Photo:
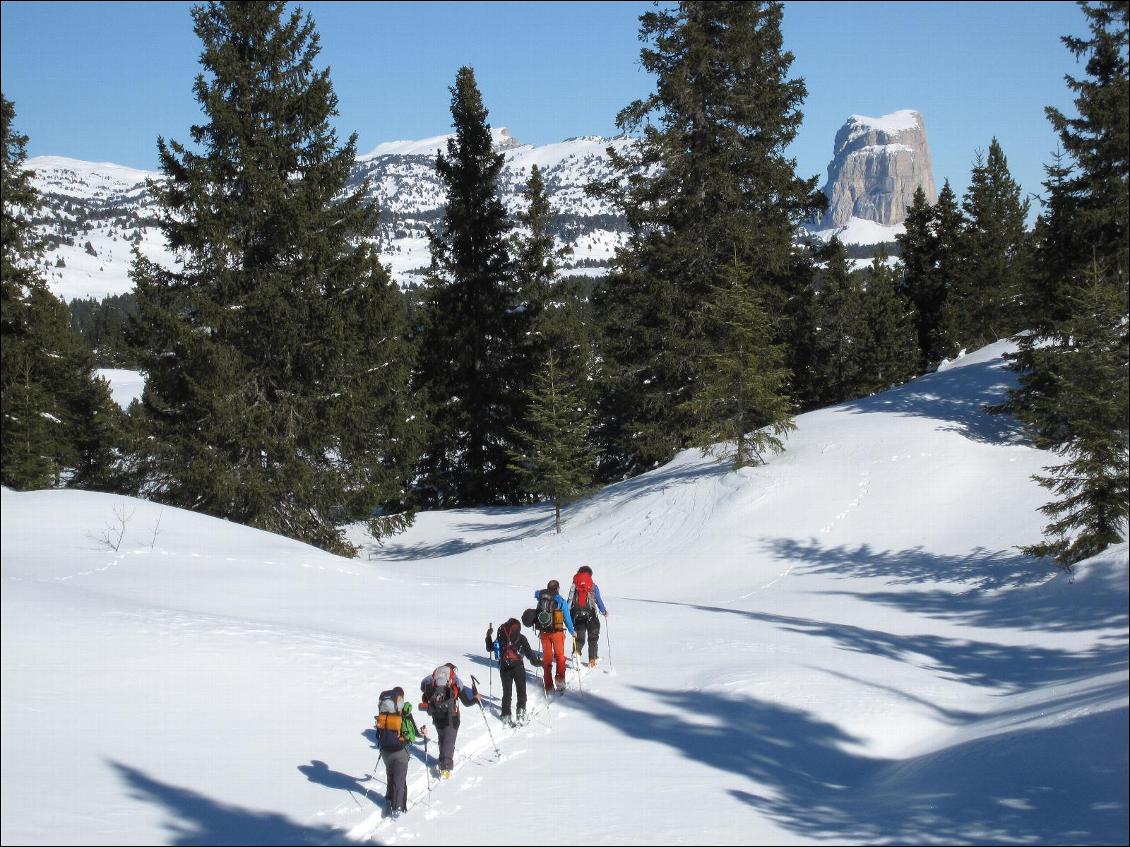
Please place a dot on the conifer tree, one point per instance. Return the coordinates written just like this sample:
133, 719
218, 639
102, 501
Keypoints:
1085, 418
277, 366
838, 330
992, 286
741, 407
58, 417
930, 247
1074, 368
471, 324
552, 454
707, 185
550, 307
888, 353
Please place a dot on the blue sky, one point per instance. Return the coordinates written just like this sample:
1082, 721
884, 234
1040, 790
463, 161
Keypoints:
101, 81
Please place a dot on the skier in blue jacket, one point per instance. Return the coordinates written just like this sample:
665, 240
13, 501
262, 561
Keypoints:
553, 619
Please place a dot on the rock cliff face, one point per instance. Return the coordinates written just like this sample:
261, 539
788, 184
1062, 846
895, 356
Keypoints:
878, 164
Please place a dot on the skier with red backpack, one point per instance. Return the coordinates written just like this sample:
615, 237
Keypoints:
442, 692
508, 648
584, 602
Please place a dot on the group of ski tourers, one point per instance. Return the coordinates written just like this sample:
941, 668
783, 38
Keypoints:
442, 690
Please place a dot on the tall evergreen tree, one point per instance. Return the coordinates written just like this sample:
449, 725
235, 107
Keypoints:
838, 329
741, 408
552, 454
58, 417
1085, 418
930, 247
1074, 368
992, 286
707, 187
888, 353
277, 367
469, 344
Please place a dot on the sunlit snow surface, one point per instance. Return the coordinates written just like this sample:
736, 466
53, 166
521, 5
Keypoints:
840, 646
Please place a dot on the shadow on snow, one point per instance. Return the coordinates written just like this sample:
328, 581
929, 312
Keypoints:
1005, 588
198, 819
988, 790
956, 397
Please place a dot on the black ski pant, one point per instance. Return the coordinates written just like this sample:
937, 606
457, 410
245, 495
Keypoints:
447, 730
396, 778
511, 677
587, 626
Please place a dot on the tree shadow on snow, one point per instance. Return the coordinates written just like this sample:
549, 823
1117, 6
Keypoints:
1004, 588
197, 819
1013, 667
957, 397
529, 521
983, 791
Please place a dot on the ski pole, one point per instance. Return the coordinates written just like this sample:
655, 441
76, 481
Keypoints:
373, 775
483, 712
490, 654
577, 666
608, 638
427, 768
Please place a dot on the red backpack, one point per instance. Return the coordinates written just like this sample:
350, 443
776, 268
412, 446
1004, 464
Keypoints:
582, 582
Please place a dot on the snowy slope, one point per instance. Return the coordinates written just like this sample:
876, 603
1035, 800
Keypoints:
840, 646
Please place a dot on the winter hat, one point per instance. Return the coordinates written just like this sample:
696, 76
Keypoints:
585, 569
553, 586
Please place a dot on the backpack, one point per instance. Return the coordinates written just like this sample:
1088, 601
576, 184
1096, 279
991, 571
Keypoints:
442, 694
582, 585
549, 617
389, 722
509, 651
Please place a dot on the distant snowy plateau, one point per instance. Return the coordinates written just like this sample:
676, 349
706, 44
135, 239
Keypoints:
109, 208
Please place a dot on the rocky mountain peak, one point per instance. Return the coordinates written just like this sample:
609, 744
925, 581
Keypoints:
877, 165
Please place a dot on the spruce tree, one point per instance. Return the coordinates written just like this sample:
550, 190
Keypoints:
277, 367
552, 454
707, 186
838, 329
60, 423
741, 408
930, 247
992, 286
1084, 418
1072, 393
469, 344
888, 353
1098, 141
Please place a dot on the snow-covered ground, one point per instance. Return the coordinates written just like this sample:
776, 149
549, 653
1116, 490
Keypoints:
840, 646
125, 385
861, 231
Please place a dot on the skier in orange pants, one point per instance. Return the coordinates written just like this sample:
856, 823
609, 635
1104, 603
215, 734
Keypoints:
552, 620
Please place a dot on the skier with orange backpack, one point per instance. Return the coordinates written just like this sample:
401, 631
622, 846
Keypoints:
584, 602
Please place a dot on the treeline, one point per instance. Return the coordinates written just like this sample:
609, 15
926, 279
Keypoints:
292, 386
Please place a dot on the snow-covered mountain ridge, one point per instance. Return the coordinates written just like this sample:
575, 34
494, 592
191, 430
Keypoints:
109, 208
839, 646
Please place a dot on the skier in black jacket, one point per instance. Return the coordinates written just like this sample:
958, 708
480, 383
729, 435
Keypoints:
508, 648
